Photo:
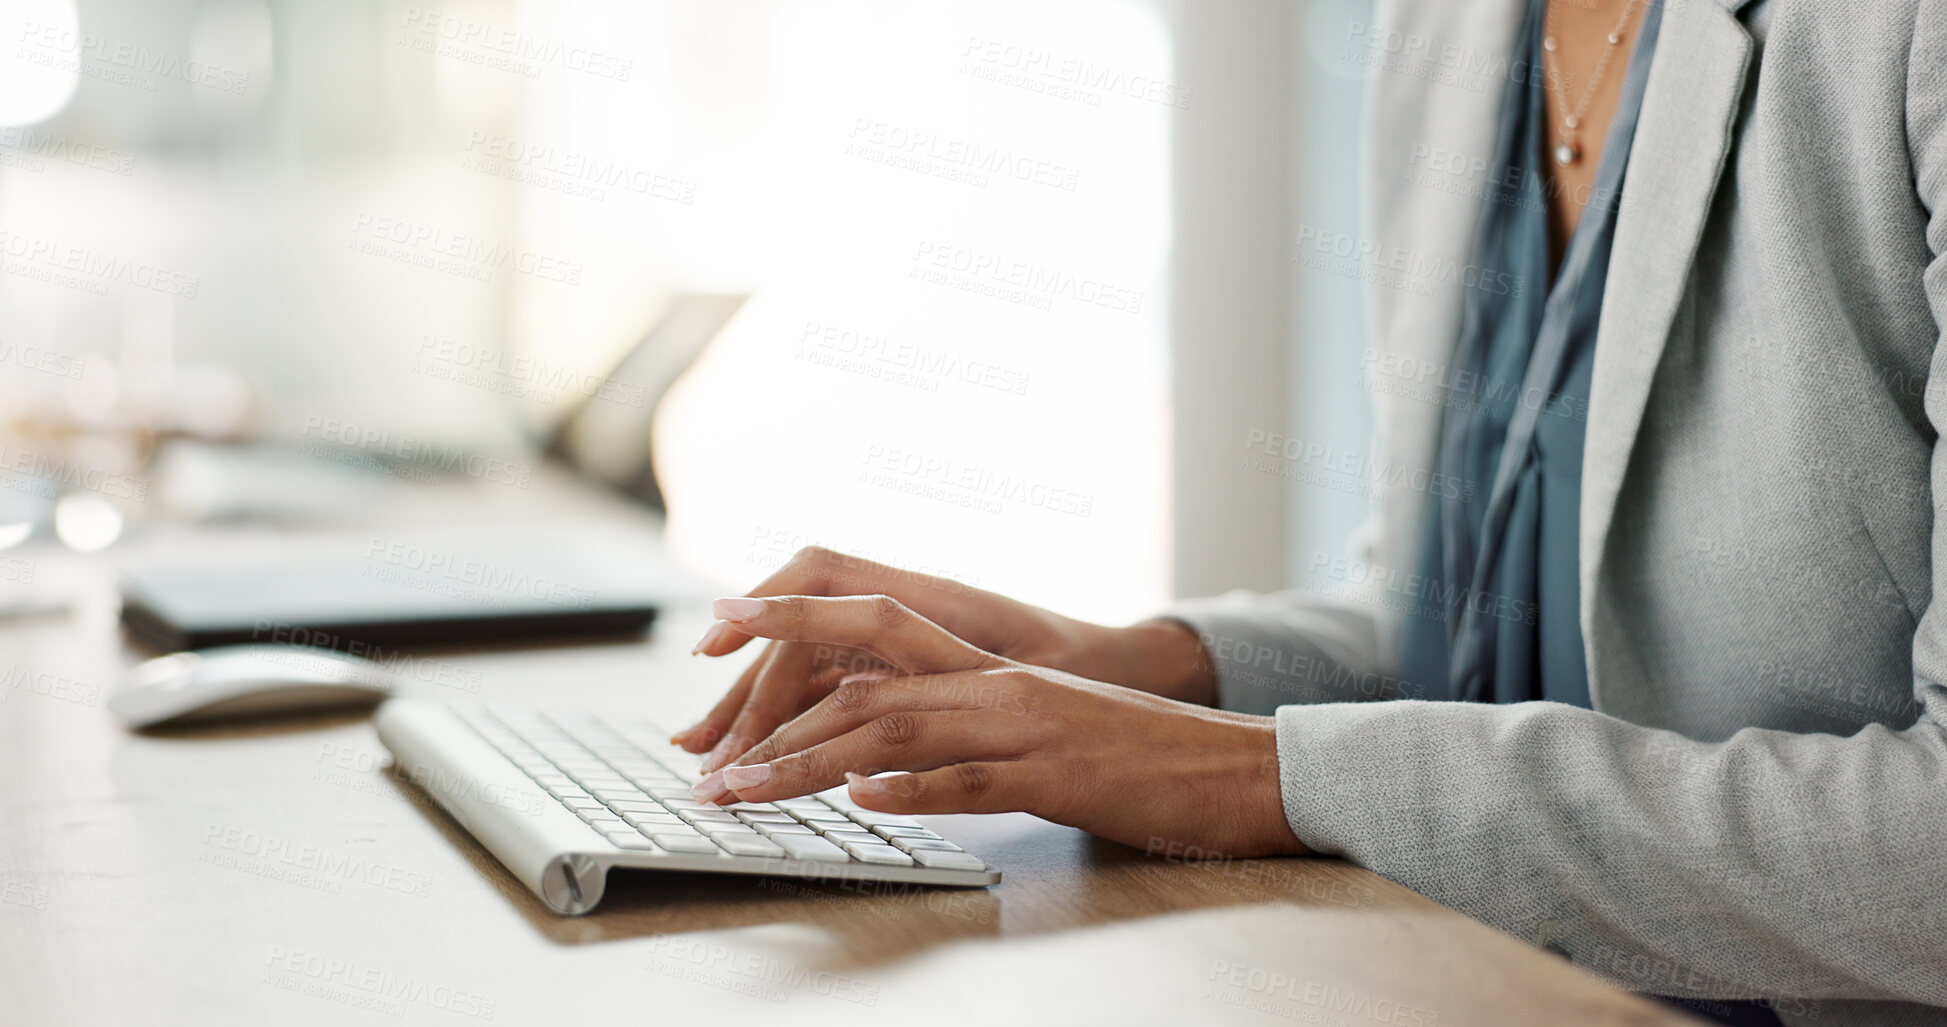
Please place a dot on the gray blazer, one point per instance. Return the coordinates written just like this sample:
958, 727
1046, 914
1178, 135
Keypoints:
1757, 805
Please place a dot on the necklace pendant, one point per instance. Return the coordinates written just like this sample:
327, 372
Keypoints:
1566, 154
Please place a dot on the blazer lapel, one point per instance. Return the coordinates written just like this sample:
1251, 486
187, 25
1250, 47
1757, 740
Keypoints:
1683, 138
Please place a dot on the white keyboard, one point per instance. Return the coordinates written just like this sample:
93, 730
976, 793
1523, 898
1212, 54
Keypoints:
560, 798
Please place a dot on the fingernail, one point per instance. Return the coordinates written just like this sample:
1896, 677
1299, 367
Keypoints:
714, 632
720, 755
684, 735
860, 782
865, 675
740, 778
710, 789
737, 610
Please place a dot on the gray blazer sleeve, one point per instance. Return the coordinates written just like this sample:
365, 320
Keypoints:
1290, 647
1766, 864
1769, 864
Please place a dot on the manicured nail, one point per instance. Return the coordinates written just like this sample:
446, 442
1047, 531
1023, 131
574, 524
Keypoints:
725, 751
710, 789
682, 736
715, 632
861, 783
865, 675
737, 610
754, 776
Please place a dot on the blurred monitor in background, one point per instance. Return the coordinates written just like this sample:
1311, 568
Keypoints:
609, 435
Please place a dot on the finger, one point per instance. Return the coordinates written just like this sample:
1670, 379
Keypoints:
777, 696
703, 735
808, 572
816, 571
831, 672
878, 624
835, 665
994, 787
855, 704
838, 662
897, 741
719, 639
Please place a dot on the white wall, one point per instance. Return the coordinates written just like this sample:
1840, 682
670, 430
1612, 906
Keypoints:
1230, 290
1263, 347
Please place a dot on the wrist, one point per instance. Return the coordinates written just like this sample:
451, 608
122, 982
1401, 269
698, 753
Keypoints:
1165, 657
1159, 656
1266, 830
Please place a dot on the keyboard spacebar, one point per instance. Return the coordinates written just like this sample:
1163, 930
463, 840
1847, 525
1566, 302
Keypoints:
810, 847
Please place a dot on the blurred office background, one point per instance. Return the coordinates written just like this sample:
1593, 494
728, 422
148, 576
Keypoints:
1021, 275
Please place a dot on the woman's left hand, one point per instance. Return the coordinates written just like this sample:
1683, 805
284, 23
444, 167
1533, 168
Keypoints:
970, 732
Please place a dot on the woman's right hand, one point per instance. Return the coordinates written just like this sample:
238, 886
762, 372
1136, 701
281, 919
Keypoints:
1162, 657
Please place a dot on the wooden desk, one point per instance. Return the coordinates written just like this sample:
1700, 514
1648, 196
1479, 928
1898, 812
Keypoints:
278, 874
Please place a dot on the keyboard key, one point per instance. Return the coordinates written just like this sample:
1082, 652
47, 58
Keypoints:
749, 845
686, 843
857, 837
903, 832
840, 797
773, 830
652, 820
829, 815
722, 831
940, 859
688, 769
873, 819
807, 847
882, 854
923, 844
704, 816
631, 840
766, 818
638, 806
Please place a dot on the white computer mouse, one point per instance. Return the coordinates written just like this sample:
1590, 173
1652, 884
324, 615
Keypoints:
242, 680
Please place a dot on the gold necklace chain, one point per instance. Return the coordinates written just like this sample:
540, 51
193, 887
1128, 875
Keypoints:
1570, 150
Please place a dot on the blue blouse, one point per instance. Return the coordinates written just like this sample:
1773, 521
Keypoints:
1505, 552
